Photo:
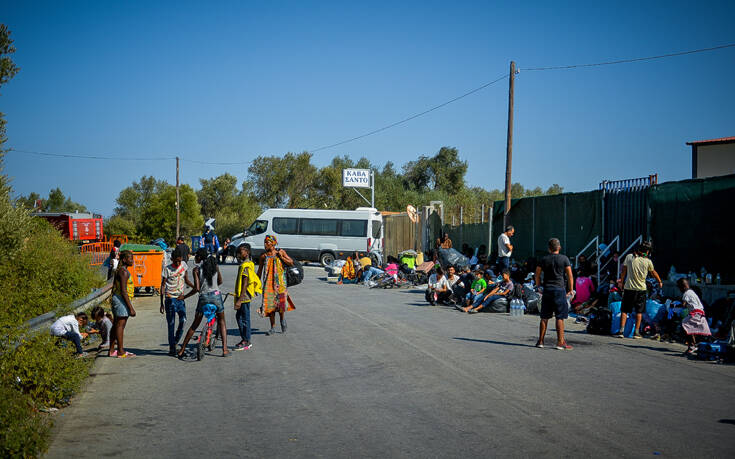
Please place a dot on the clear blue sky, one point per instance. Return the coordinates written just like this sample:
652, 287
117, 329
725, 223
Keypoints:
228, 81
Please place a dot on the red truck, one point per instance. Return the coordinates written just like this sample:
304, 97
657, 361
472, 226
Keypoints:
76, 226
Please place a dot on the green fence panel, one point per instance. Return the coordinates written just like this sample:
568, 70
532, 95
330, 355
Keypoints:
691, 227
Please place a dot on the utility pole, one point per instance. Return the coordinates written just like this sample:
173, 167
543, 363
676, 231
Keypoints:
178, 212
509, 146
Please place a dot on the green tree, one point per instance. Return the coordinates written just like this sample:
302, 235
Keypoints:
233, 209
56, 202
288, 181
158, 218
555, 189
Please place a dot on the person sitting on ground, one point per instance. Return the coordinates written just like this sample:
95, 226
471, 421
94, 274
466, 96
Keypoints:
584, 299
67, 327
348, 275
475, 295
438, 290
369, 272
103, 326
482, 254
392, 267
500, 290
446, 243
453, 280
695, 323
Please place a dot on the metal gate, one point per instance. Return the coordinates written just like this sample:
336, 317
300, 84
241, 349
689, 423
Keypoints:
625, 208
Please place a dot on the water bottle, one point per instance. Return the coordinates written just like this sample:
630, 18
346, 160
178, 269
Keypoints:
708, 278
718, 279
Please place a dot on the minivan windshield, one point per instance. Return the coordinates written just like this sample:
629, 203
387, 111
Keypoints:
258, 227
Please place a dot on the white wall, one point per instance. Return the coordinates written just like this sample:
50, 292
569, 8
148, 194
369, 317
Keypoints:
714, 160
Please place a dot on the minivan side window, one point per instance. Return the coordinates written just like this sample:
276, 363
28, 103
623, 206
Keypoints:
376, 229
258, 227
319, 226
354, 228
283, 225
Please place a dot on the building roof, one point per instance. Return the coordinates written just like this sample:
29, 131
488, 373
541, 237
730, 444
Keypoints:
713, 141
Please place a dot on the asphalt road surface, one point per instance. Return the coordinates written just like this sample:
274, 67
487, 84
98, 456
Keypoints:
379, 373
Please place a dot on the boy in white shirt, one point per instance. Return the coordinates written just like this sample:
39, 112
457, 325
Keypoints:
67, 327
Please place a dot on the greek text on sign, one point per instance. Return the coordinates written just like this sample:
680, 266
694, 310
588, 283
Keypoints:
356, 177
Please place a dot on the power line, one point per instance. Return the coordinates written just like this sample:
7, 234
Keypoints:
67, 155
625, 61
410, 117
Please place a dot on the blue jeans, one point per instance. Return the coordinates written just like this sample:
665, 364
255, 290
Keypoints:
346, 281
503, 263
243, 321
490, 299
175, 306
477, 299
76, 339
368, 273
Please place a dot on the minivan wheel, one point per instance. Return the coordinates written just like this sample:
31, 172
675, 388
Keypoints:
326, 258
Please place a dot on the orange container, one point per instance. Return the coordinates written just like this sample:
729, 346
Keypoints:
146, 269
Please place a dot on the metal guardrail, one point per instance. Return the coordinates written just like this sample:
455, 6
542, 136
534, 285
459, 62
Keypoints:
82, 304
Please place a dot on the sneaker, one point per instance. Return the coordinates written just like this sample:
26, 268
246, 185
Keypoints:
472, 311
82, 355
172, 352
618, 335
564, 347
539, 344
637, 336
113, 354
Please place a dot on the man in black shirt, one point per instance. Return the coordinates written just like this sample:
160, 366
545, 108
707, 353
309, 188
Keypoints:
554, 298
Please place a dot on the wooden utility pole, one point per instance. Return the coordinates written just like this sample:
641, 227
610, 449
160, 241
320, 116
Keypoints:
178, 211
509, 146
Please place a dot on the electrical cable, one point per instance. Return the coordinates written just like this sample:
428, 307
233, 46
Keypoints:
66, 155
409, 118
625, 61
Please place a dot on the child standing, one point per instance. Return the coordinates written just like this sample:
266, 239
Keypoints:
123, 290
173, 279
247, 285
695, 323
67, 327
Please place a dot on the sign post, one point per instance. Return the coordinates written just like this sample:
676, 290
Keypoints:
360, 178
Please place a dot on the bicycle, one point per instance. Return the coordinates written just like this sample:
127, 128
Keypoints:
210, 329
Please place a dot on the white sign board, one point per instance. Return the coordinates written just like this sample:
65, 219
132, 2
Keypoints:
359, 178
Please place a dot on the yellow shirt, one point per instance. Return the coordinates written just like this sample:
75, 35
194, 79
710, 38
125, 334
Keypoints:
247, 268
365, 261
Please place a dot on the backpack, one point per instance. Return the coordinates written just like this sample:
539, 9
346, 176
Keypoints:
600, 321
294, 274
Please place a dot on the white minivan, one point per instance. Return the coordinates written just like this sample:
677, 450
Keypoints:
316, 235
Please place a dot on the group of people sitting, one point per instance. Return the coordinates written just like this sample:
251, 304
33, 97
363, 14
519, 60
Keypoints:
358, 268
471, 291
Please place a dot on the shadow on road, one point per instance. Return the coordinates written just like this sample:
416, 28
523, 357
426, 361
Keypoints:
504, 343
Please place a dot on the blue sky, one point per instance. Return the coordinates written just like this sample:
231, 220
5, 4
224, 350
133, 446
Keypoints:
228, 81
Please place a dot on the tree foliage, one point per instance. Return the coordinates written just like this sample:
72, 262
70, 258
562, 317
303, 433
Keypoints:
146, 210
55, 202
233, 209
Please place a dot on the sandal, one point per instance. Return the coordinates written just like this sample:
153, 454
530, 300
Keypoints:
126, 355
112, 354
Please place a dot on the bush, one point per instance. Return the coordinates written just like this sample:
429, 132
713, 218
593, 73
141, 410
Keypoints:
39, 373
23, 430
45, 273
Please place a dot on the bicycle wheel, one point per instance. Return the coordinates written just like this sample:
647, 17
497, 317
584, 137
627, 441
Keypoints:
200, 348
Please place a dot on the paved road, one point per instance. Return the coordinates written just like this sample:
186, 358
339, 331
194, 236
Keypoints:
379, 373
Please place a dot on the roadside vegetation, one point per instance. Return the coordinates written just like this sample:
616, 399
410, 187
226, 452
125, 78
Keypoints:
39, 272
